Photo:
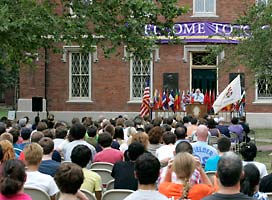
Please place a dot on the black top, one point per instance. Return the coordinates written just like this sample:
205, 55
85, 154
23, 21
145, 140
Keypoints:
266, 183
218, 196
123, 174
224, 130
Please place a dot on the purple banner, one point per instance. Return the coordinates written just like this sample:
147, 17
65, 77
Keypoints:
210, 32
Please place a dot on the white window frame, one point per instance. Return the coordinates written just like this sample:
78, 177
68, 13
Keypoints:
260, 100
69, 51
204, 14
259, 1
139, 99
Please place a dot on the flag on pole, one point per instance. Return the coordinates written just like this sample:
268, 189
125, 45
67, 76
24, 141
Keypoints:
145, 107
183, 100
164, 101
156, 100
160, 100
230, 94
177, 101
171, 100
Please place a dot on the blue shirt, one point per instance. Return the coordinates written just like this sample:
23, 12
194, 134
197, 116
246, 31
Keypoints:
211, 164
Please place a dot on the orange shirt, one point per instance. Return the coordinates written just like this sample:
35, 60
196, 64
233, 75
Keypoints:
196, 192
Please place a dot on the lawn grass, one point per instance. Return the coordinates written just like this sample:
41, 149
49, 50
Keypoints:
263, 156
3, 111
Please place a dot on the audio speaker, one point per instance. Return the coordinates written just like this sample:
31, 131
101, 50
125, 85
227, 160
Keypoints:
37, 104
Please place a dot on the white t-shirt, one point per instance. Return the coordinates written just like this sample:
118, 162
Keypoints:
260, 166
165, 151
68, 148
42, 181
146, 195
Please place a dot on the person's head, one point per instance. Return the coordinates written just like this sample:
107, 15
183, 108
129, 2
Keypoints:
22, 122
41, 126
202, 133
36, 136
129, 123
135, 149
147, 169
184, 146
118, 133
155, 135
37, 119
2, 128
157, 121
131, 131
61, 132
7, 149
120, 122
211, 123
47, 144
15, 134
250, 179
148, 127
110, 129
197, 91
223, 144
242, 119
6, 136
181, 132
193, 120
69, 177
75, 120
91, 131
13, 177
104, 139
25, 133
141, 137
234, 120
77, 131
81, 155
184, 165
33, 154
49, 133
186, 119
229, 169
248, 151
169, 138
88, 121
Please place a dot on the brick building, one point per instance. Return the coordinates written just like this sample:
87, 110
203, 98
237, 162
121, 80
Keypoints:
78, 84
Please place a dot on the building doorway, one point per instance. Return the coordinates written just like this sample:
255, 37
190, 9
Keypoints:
204, 79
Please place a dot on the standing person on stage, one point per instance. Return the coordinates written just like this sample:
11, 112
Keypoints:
198, 96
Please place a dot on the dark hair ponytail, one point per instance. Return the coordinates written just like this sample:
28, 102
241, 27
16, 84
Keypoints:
250, 180
13, 177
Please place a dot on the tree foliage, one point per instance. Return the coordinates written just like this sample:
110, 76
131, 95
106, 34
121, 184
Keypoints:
255, 48
29, 25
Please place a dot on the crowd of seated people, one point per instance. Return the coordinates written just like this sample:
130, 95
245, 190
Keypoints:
155, 158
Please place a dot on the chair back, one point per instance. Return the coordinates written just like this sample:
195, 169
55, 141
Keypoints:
211, 175
269, 195
116, 194
110, 185
213, 141
105, 175
36, 193
102, 165
88, 194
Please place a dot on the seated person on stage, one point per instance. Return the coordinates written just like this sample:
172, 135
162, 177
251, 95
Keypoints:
123, 171
81, 155
198, 96
108, 154
147, 169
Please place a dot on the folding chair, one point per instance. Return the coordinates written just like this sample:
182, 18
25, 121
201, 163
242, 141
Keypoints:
269, 195
101, 165
105, 175
116, 194
88, 194
110, 185
36, 193
235, 146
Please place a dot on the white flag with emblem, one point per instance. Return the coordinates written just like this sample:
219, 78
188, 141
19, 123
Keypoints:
230, 94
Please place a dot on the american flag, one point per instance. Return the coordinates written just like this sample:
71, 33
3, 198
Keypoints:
145, 107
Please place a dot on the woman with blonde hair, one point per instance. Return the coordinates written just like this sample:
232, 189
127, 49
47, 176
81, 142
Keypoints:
8, 151
184, 165
141, 137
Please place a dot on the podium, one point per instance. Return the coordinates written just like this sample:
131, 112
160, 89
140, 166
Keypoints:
197, 110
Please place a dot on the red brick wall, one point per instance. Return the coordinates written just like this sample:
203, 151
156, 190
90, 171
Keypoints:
111, 80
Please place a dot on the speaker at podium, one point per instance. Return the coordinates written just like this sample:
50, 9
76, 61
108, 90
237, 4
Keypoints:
197, 110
